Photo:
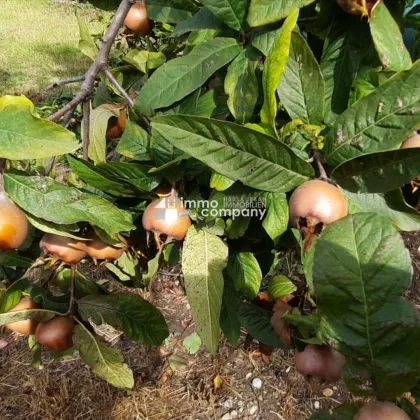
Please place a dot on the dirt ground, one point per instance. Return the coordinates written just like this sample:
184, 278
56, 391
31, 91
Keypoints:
167, 388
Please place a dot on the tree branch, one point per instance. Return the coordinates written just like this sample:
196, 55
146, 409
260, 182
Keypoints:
120, 89
100, 62
65, 82
86, 124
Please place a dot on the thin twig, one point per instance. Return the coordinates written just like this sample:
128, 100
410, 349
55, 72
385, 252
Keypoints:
320, 162
86, 125
101, 60
68, 117
120, 89
65, 82
72, 282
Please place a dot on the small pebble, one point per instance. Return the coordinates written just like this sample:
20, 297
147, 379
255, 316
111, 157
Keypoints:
328, 392
253, 410
226, 416
188, 306
234, 414
248, 375
257, 383
288, 369
227, 403
317, 405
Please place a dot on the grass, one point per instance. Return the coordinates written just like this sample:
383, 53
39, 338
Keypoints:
39, 43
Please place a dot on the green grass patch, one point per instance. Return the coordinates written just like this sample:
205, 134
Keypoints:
39, 43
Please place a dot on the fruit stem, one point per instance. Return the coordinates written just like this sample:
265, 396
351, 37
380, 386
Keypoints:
320, 163
72, 282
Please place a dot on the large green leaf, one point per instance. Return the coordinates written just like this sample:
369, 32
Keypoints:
257, 322
241, 85
69, 231
58, 203
343, 50
134, 143
302, 87
388, 40
170, 11
13, 259
274, 67
106, 362
378, 172
262, 12
378, 122
277, 219
240, 153
390, 205
229, 320
25, 136
181, 76
263, 39
204, 256
116, 178
202, 20
231, 12
361, 268
138, 318
246, 273
86, 43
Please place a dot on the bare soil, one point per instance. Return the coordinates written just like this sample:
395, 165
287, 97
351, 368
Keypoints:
167, 388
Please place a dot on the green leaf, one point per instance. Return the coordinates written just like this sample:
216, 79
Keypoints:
240, 153
263, 39
152, 268
181, 76
246, 273
378, 122
203, 19
280, 286
38, 314
144, 60
58, 203
302, 87
390, 205
134, 143
378, 172
13, 259
229, 320
220, 182
138, 318
25, 136
106, 362
116, 178
82, 285
237, 227
99, 118
170, 11
346, 44
361, 268
204, 256
241, 85
231, 12
86, 43
277, 219
274, 67
262, 12
257, 322
13, 295
388, 40
192, 343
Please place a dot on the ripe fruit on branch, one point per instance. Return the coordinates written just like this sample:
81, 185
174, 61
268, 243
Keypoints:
358, 7
116, 125
377, 410
320, 361
27, 326
167, 215
411, 142
13, 224
98, 249
56, 333
137, 20
71, 251
314, 204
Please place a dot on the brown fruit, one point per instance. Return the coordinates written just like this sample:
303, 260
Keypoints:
358, 7
167, 215
320, 361
137, 20
28, 326
102, 251
56, 333
163, 190
316, 202
13, 224
377, 410
411, 142
71, 251
116, 125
